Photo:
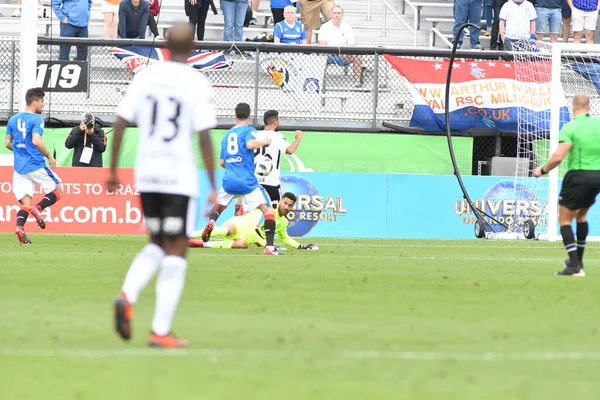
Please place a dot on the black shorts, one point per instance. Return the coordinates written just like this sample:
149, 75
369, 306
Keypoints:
579, 189
274, 192
167, 214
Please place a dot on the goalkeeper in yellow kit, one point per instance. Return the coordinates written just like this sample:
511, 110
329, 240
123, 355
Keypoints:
240, 232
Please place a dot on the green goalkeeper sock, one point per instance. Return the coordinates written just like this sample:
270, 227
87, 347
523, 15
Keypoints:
221, 244
219, 231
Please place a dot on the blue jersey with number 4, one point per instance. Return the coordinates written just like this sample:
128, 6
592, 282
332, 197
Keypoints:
239, 175
21, 127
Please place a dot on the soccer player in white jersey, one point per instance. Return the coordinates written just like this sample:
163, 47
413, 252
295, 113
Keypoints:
278, 147
170, 102
24, 138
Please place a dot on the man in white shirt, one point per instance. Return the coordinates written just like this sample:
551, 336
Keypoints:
279, 146
171, 103
517, 21
338, 33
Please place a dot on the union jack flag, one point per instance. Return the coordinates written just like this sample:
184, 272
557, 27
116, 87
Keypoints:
137, 58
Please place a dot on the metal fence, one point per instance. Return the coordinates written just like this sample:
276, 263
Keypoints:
304, 83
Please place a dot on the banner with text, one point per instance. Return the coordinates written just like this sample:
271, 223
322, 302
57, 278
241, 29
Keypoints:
483, 94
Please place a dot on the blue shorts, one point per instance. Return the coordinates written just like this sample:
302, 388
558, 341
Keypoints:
548, 16
566, 10
337, 60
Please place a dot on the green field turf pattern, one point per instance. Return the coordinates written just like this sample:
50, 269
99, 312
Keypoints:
359, 319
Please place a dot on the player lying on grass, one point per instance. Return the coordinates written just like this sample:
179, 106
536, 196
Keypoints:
242, 231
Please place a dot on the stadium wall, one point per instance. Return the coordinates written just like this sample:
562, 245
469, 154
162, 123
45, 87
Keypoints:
344, 205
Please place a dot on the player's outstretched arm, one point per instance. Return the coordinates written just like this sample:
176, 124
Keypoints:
8, 142
258, 143
294, 146
119, 131
37, 141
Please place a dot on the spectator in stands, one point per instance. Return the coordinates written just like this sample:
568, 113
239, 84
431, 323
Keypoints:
133, 19
153, 10
17, 12
486, 14
89, 141
197, 11
566, 21
234, 14
277, 7
338, 33
74, 17
517, 21
549, 12
467, 11
289, 31
310, 11
585, 16
255, 4
495, 40
110, 9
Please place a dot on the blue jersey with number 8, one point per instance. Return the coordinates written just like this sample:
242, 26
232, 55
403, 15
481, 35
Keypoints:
239, 161
21, 127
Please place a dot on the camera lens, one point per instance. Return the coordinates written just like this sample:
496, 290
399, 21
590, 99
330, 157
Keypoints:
89, 125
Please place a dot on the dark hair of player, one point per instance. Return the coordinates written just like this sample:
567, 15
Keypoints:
34, 94
180, 41
289, 195
242, 111
270, 117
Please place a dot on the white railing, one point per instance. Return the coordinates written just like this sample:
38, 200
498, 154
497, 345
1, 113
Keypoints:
413, 30
433, 33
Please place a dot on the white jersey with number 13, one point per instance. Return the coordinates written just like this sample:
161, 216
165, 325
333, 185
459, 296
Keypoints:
170, 102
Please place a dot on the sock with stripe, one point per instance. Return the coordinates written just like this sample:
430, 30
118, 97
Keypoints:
169, 287
22, 215
48, 200
582, 232
221, 244
270, 229
142, 269
569, 241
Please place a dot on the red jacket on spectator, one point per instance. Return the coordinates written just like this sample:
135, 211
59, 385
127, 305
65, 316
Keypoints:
154, 6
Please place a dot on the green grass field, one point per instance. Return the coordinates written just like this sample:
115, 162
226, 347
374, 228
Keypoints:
359, 319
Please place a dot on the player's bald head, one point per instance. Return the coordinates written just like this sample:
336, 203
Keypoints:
581, 103
180, 40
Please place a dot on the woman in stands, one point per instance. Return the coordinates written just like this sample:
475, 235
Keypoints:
110, 9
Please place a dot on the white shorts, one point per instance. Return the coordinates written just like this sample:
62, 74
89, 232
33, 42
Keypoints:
109, 8
584, 20
250, 201
24, 184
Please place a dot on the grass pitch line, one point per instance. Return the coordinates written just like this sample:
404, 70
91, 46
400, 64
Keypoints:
346, 354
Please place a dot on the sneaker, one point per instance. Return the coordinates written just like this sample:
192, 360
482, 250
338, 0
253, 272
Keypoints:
123, 316
195, 243
571, 270
488, 32
35, 213
20, 234
167, 341
239, 210
210, 225
477, 47
17, 13
467, 32
566, 263
271, 251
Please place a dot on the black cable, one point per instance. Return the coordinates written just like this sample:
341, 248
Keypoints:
157, 20
478, 213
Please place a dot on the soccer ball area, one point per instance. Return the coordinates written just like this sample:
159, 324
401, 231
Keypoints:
360, 319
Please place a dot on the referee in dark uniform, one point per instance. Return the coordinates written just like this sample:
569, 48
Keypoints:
580, 140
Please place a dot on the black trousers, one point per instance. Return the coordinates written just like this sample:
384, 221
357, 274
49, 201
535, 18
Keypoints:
152, 24
495, 40
198, 14
278, 14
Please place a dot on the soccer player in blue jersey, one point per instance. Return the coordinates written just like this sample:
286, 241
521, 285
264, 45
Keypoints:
239, 181
24, 138
289, 31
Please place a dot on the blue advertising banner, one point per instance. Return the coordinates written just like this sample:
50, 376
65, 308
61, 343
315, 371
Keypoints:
348, 205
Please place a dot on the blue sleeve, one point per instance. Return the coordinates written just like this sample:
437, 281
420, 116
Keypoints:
58, 10
222, 156
38, 126
250, 135
10, 127
122, 30
277, 31
303, 37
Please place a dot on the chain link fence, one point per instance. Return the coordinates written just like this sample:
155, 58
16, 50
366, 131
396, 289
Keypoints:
313, 88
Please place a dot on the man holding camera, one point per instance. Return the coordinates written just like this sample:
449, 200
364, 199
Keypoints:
88, 141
